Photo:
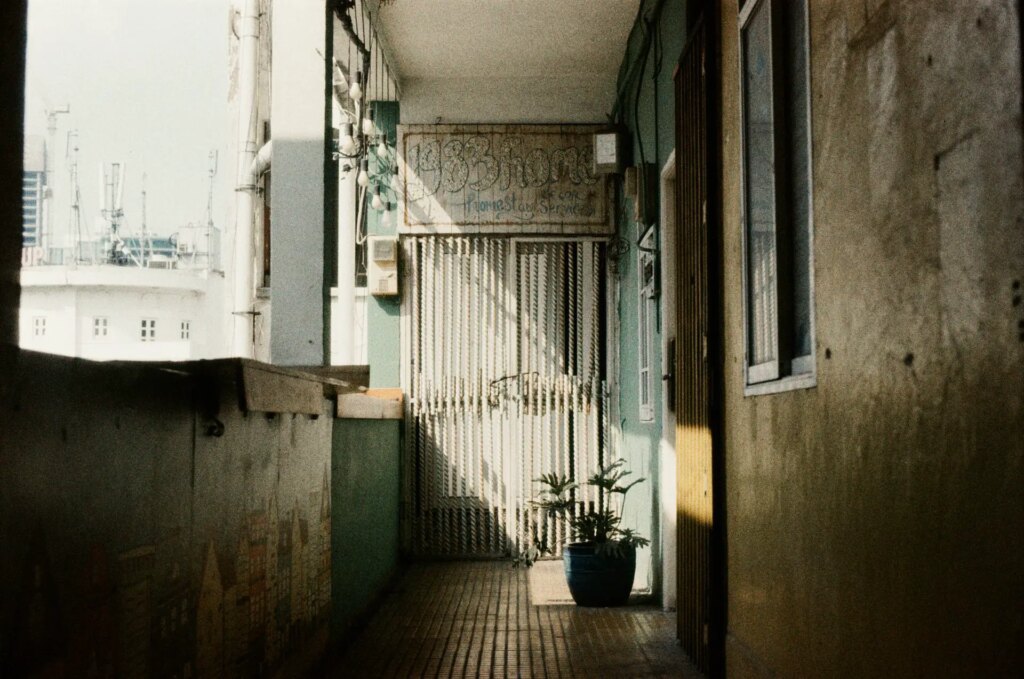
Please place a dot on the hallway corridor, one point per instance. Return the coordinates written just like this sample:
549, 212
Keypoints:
476, 619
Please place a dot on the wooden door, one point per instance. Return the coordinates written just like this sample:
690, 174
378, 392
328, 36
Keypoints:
699, 600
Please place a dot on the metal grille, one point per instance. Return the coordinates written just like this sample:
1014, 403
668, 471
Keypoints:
504, 371
693, 433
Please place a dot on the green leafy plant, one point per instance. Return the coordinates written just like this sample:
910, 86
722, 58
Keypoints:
599, 524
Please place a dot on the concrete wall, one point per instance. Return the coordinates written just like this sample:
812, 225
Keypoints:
874, 522
151, 527
298, 250
365, 502
12, 75
383, 314
647, 107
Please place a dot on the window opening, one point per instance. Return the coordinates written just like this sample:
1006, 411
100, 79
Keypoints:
777, 230
646, 317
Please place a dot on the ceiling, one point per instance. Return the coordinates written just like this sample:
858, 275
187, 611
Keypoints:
506, 60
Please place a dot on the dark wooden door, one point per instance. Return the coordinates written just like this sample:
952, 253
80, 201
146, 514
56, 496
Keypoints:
696, 351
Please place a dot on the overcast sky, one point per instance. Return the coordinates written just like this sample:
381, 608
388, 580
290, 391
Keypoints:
147, 84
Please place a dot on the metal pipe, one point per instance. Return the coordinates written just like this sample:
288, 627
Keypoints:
261, 163
245, 245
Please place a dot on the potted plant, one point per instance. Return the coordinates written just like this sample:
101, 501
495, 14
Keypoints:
600, 563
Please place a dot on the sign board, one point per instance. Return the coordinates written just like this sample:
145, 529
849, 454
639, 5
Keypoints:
509, 179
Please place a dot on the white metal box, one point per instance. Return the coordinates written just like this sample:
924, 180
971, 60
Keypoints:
382, 266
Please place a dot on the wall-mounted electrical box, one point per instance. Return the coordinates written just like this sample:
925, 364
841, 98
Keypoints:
382, 266
640, 183
609, 148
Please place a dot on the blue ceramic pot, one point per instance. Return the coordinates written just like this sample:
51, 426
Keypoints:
598, 580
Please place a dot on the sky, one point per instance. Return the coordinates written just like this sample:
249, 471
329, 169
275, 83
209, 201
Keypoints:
147, 83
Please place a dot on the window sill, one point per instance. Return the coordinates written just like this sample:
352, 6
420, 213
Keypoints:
790, 383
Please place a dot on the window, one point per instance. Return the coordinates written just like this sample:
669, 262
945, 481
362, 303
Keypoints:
186, 329
39, 326
777, 229
99, 326
646, 315
148, 330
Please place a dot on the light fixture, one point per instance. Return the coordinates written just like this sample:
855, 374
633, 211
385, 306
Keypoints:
348, 144
385, 217
356, 92
382, 147
364, 173
396, 180
368, 128
377, 203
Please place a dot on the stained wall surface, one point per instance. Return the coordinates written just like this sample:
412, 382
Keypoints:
152, 528
874, 521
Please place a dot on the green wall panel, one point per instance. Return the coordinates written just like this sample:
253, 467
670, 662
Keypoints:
364, 510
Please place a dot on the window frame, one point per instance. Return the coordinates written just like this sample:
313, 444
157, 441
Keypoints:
785, 372
100, 323
646, 324
185, 329
39, 326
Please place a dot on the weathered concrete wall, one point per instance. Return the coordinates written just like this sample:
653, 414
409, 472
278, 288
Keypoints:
150, 527
12, 77
874, 522
365, 502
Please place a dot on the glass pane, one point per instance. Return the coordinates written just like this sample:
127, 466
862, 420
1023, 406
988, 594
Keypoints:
799, 169
760, 186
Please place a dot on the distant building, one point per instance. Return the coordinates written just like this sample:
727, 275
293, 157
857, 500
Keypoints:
33, 188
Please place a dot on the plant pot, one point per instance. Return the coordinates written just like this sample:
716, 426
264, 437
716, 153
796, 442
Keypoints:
598, 579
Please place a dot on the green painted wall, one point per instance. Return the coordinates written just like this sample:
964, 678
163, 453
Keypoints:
364, 515
383, 313
645, 107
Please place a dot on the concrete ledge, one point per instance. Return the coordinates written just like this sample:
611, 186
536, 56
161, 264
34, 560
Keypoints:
370, 406
266, 388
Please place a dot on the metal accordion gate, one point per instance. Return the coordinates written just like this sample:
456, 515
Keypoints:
503, 363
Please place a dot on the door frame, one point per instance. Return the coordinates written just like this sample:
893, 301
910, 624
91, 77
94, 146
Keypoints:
668, 237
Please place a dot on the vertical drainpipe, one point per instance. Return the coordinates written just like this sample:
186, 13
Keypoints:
245, 255
331, 236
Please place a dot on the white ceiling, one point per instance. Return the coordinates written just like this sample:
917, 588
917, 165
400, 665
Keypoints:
473, 60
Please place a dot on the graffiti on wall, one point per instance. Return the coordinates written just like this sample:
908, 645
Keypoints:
501, 179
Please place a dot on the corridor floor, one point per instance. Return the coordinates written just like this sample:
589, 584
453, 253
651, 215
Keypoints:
476, 619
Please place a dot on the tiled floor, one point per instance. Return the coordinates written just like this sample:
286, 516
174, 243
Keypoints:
475, 619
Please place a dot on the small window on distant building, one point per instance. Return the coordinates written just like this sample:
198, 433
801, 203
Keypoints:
39, 326
646, 315
99, 326
148, 330
186, 330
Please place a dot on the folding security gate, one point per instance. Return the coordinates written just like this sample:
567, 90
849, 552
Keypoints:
504, 367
